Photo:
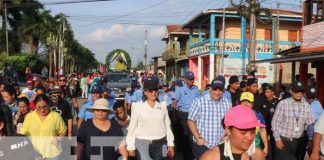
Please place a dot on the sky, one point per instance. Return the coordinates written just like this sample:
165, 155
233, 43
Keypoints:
108, 25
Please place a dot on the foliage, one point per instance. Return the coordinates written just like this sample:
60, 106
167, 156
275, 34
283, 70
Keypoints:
21, 61
30, 27
140, 66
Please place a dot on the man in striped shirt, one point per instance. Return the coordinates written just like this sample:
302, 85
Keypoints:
291, 118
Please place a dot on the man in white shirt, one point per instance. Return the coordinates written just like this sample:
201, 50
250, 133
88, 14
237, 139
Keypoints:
29, 91
318, 140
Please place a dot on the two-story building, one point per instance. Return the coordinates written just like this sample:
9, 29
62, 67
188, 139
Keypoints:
176, 51
225, 52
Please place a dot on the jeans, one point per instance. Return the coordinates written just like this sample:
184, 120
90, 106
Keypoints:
84, 91
156, 152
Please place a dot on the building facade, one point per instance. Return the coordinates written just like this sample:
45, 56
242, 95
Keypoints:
176, 51
219, 52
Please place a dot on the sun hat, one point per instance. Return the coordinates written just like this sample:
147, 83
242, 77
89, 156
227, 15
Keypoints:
241, 117
100, 104
247, 96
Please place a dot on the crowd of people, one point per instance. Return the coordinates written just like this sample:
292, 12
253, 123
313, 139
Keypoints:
160, 119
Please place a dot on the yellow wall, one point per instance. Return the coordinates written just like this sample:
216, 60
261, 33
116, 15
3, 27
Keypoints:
233, 29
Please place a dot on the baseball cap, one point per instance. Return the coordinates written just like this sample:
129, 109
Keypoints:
165, 84
30, 82
218, 82
55, 89
311, 92
150, 84
189, 75
241, 117
248, 96
96, 89
297, 86
250, 81
233, 79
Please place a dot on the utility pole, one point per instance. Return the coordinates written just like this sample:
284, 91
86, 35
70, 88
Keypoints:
251, 67
145, 50
223, 41
6, 27
61, 46
276, 48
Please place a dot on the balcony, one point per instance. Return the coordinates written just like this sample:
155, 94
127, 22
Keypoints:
234, 45
170, 54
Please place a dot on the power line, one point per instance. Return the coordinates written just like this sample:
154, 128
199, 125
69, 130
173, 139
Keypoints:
131, 13
29, 4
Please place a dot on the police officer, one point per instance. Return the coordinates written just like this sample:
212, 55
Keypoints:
182, 100
138, 93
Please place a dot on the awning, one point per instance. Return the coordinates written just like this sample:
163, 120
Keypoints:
295, 58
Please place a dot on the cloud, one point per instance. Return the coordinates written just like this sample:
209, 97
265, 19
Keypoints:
115, 31
157, 32
129, 37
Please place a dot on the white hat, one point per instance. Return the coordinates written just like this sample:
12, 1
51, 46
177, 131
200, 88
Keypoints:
100, 104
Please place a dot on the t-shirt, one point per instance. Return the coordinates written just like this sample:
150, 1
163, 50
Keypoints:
43, 132
319, 128
17, 147
28, 92
88, 130
63, 108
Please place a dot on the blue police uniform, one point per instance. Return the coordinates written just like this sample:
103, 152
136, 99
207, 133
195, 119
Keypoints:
185, 96
83, 113
138, 95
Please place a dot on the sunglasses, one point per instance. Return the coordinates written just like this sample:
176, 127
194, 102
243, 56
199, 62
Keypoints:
62, 80
152, 90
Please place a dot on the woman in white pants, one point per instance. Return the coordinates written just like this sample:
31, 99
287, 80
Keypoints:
149, 130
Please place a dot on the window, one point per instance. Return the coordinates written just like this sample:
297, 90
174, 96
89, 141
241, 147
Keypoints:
247, 33
292, 35
314, 11
268, 34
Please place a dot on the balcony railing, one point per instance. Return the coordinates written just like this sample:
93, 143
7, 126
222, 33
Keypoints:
234, 45
170, 54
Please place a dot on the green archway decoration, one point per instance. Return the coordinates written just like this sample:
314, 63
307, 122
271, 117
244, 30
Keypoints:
124, 61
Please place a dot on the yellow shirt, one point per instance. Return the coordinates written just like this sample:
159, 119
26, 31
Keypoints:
43, 133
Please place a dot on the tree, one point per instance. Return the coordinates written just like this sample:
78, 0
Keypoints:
139, 66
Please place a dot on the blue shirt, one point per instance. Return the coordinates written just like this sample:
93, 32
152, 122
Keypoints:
206, 91
185, 96
128, 98
207, 113
138, 95
227, 95
317, 109
164, 96
83, 113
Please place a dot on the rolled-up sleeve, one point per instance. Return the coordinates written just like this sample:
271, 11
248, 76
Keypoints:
176, 95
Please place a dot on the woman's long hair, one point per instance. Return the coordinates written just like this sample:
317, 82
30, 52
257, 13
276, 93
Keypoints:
6, 119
